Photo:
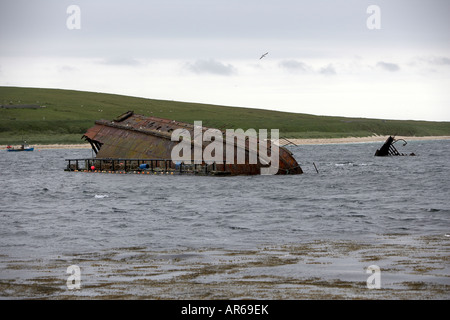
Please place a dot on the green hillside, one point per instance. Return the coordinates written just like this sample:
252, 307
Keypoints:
67, 114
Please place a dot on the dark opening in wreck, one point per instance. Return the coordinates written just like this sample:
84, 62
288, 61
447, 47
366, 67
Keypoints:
134, 136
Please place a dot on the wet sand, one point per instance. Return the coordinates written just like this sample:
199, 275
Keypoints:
410, 268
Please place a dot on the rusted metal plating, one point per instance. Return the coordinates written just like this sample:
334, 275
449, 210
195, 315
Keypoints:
136, 136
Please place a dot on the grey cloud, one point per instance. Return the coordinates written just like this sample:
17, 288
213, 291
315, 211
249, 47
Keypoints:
211, 66
439, 61
294, 65
328, 70
121, 61
66, 68
432, 61
39, 27
388, 66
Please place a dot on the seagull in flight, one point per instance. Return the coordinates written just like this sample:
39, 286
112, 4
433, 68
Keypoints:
265, 54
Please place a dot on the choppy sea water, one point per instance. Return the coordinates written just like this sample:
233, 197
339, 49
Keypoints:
309, 236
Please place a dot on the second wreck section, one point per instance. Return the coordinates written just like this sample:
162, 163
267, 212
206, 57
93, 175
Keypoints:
135, 136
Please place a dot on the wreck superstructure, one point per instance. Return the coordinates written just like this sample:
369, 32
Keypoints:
135, 136
388, 148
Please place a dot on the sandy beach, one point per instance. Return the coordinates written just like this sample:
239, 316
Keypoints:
380, 139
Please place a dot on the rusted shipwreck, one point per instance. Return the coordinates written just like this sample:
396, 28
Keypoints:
142, 144
388, 148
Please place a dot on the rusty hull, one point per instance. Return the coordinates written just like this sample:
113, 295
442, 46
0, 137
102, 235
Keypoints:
136, 136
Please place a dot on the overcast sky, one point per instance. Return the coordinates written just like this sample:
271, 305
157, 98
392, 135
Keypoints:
324, 57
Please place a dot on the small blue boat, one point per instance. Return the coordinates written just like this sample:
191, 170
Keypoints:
23, 147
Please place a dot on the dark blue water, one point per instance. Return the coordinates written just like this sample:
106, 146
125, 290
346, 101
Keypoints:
45, 211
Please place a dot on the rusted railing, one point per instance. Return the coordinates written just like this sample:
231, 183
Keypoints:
139, 166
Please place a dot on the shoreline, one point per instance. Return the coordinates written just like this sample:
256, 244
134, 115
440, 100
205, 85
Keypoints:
52, 146
295, 141
370, 139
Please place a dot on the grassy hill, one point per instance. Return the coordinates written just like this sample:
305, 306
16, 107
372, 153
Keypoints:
67, 115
